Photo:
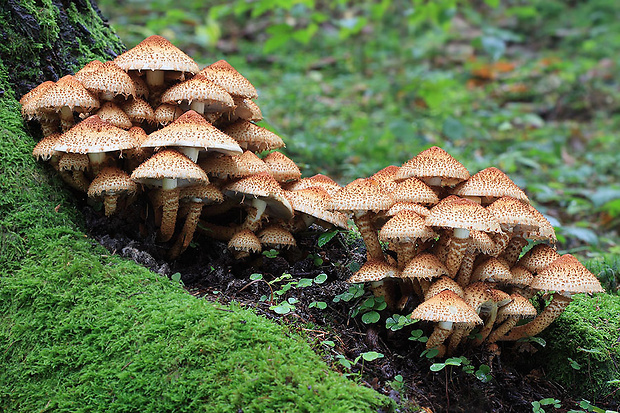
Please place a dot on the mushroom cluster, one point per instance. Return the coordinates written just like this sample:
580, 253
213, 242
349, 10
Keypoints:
449, 245
151, 123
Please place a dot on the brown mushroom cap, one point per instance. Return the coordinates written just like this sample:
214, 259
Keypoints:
374, 270
436, 166
253, 137
108, 80
245, 241
538, 257
426, 266
521, 277
203, 192
92, 66
111, 113
386, 177
492, 270
111, 181
545, 230
73, 162
407, 206
480, 241
193, 131
462, 213
262, 187
446, 306
156, 53
142, 89
275, 236
567, 275
44, 149
30, 108
414, 190
246, 109
223, 74
518, 307
199, 89
282, 167
168, 164
363, 194
93, 135
166, 113
318, 180
139, 111
443, 283
490, 182
513, 215
314, 201
406, 226
233, 166
67, 92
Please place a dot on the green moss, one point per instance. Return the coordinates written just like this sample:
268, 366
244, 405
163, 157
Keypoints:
588, 332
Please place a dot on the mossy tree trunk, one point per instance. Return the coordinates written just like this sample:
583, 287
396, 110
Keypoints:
47, 39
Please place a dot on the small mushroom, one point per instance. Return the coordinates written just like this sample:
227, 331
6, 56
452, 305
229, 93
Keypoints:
111, 183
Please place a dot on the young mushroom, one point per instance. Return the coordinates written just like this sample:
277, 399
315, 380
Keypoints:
111, 183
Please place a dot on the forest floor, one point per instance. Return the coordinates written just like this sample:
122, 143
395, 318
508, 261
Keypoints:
290, 289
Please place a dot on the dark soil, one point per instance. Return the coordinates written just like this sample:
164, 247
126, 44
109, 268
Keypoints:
208, 270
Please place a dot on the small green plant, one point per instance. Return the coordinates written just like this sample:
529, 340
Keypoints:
354, 291
369, 309
482, 373
272, 253
588, 407
398, 321
325, 237
537, 406
288, 305
366, 356
418, 335
176, 277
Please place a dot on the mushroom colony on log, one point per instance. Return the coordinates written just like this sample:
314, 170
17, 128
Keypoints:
449, 245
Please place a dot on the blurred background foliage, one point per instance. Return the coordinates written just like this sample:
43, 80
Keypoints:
528, 86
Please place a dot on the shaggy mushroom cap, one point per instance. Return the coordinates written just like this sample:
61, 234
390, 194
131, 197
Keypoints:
319, 181
111, 181
492, 270
111, 113
245, 241
407, 206
481, 242
107, 81
406, 226
93, 135
521, 277
30, 108
444, 283
90, 67
275, 236
386, 177
44, 149
513, 215
190, 133
224, 75
567, 275
435, 167
202, 94
490, 183
545, 230
538, 257
362, 195
462, 213
519, 306
166, 113
282, 167
70, 93
155, 55
169, 164
142, 89
314, 202
263, 192
232, 166
446, 306
138, 111
374, 270
252, 137
203, 192
414, 190
73, 162
425, 266
245, 109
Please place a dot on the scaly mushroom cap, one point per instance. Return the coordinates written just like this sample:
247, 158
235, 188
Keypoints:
314, 201
407, 206
282, 167
109, 112
90, 67
73, 162
425, 266
199, 89
253, 137
500, 298
363, 194
481, 242
478, 294
567, 275
168, 164
318, 180
545, 230
204, 192
374, 270
446, 306
232, 166
111, 181
275, 236
93, 135
462, 213
386, 177
67, 92
518, 307
44, 149
521, 277
513, 215
142, 89
491, 183
538, 257
246, 109
28, 101
223, 74
156, 53
436, 166
245, 241
107, 81
166, 113
444, 283
492, 270
264, 187
406, 226
414, 190
192, 130
139, 111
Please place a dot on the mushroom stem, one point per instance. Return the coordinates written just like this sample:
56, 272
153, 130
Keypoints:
501, 240
109, 204
189, 228
96, 160
197, 106
369, 235
542, 320
502, 329
458, 334
488, 326
217, 232
466, 269
456, 250
154, 78
66, 118
190, 152
384, 288
80, 180
440, 333
170, 206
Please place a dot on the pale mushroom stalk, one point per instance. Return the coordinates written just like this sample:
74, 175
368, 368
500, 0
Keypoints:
502, 329
96, 160
218, 232
66, 118
190, 152
456, 250
488, 325
466, 269
155, 78
170, 206
189, 228
198, 106
369, 235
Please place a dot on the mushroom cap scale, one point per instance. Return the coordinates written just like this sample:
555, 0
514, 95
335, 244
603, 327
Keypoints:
414, 190
28, 101
275, 236
223, 74
246, 241
108, 77
374, 270
492, 270
111, 181
111, 113
431, 163
462, 213
282, 167
538, 257
73, 162
314, 201
567, 275
192, 130
318, 180
363, 194
156, 53
166, 113
253, 137
262, 186
406, 226
199, 89
513, 214
446, 306
518, 307
407, 206
206, 192
233, 166
168, 164
44, 149
443, 283
490, 182
139, 110
386, 177
67, 92
93, 135
425, 266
